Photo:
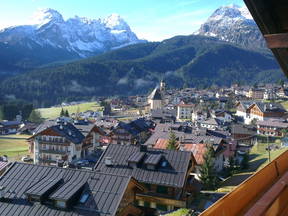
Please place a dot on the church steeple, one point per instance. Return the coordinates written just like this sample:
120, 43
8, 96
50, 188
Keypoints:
162, 85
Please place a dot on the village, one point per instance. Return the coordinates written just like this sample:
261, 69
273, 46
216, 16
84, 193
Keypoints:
175, 149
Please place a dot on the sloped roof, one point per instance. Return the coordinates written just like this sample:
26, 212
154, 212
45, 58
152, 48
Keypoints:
174, 175
270, 123
155, 95
67, 130
264, 107
105, 190
198, 150
3, 165
135, 127
161, 143
212, 121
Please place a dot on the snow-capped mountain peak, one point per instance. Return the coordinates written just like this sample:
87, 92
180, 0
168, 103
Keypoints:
233, 24
78, 35
115, 22
231, 12
47, 15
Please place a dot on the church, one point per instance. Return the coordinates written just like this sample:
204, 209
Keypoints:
156, 98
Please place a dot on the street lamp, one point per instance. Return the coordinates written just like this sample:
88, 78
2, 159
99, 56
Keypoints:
268, 148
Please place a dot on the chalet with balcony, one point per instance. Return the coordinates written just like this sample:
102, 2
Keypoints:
271, 128
134, 132
212, 124
9, 127
251, 110
27, 189
164, 173
63, 142
222, 115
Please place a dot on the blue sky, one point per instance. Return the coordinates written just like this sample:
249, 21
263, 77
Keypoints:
150, 19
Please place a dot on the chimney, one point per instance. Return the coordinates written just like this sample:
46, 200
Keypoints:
108, 161
60, 163
143, 148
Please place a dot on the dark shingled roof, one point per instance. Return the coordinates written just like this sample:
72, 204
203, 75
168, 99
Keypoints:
105, 190
135, 127
10, 123
264, 107
153, 159
173, 175
156, 94
3, 165
67, 130
137, 157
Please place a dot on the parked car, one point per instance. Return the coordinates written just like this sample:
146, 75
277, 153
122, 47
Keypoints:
27, 159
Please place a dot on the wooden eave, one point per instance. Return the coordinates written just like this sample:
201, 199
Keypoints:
271, 17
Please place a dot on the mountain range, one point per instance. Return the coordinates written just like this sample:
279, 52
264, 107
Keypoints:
56, 39
212, 55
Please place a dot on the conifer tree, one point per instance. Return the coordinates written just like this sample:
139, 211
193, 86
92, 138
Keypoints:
172, 141
62, 113
66, 113
208, 173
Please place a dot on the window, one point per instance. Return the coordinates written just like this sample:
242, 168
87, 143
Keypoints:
162, 189
146, 204
140, 203
84, 198
161, 207
148, 186
60, 204
164, 164
153, 205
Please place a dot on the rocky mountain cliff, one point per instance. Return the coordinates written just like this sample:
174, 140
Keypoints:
233, 24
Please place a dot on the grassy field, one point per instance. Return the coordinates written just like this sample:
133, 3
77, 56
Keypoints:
179, 212
258, 159
285, 104
53, 112
14, 146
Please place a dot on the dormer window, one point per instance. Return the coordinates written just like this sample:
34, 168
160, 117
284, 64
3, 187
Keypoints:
42, 189
164, 164
135, 159
152, 161
60, 204
84, 198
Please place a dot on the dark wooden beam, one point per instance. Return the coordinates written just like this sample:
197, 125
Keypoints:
275, 41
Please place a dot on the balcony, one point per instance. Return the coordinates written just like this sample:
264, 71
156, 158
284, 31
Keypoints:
161, 199
46, 160
53, 141
51, 151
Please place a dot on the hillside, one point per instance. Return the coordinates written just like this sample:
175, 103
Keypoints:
193, 60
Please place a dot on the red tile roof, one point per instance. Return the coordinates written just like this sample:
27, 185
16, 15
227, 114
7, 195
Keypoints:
161, 144
198, 150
